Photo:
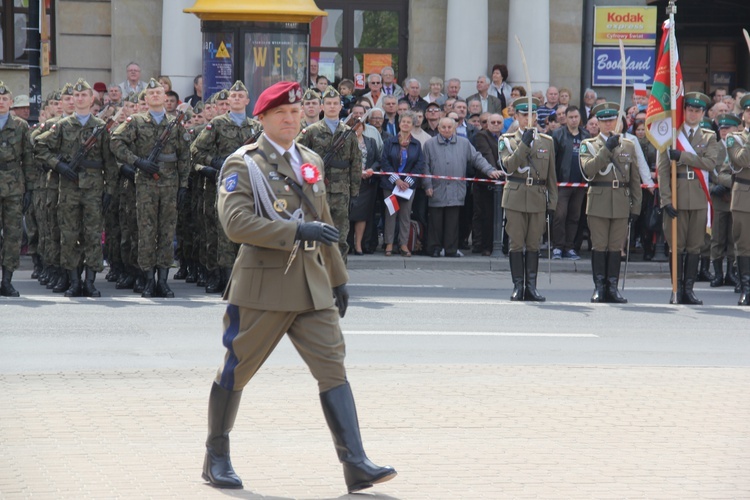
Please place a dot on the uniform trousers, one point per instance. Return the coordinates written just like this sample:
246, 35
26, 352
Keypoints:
607, 234
40, 213
80, 217
691, 230
212, 225
32, 228
128, 224
11, 223
567, 215
722, 242
112, 229
741, 232
156, 207
53, 243
250, 336
524, 230
339, 206
443, 232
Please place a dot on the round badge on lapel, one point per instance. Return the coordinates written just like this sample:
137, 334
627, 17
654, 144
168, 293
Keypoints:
279, 205
315, 188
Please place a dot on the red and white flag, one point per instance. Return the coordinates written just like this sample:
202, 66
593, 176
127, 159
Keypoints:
392, 203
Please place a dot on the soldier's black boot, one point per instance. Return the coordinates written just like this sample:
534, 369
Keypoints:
148, 288
181, 273
74, 290
718, 279
213, 285
56, 275
691, 271
115, 271
89, 290
516, 275
743, 264
191, 273
62, 284
599, 270
677, 298
532, 268
202, 272
704, 274
222, 411
613, 278
341, 416
141, 278
162, 287
127, 278
37, 260
6, 287
45, 276
730, 279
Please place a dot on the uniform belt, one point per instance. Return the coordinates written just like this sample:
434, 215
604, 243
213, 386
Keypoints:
742, 181
167, 158
614, 184
528, 181
9, 166
689, 176
98, 165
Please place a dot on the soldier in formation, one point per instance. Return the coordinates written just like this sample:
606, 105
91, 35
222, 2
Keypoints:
738, 148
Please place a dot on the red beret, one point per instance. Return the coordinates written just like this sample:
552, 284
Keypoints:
276, 95
100, 87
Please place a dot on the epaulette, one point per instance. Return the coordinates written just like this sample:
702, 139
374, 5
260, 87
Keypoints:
549, 137
623, 138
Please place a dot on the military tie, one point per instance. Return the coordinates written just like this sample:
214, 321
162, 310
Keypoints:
297, 170
690, 136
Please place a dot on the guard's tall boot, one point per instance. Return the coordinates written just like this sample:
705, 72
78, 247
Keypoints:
613, 278
532, 268
704, 273
148, 288
691, 271
599, 271
89, 290
162, 287
139, 285
181, 273
127, 278
743, 264
45, 276
37, 260
516, 275
213, 284
222, 411
677, 299
74, 290
6, 287
730, 279
202, 272
191, 273
341, 416
63, 281
718, 279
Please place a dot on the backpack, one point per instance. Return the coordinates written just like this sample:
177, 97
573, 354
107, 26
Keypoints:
415, 243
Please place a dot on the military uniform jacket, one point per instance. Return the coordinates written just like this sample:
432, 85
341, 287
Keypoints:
221, 138
531, 182
690, 195
344, 171
258, 280
738, 145
135, 138
721, 176
614, 181
64, 138
16, 160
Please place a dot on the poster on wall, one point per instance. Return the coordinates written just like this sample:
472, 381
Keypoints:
374, 63
634, 25
218, 62
274, 57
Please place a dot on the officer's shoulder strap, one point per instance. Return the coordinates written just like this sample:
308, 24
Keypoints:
545, 136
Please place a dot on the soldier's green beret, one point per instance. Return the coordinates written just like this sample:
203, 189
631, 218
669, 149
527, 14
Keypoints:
727, 120
238, 87
330, 92
745, 101
154, 84
67, 89
221, 95
606, 111
81, 85
132, 97
311, 95
3, 89
521, 105
697, 100
706, 123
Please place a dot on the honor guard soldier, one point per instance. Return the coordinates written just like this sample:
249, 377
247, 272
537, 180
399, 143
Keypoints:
343, 167
608, 163
16, 178
702, 154
738, 146
530, 194
161, 184
722, 242
287, 279
77, 148
310, 107
219, 139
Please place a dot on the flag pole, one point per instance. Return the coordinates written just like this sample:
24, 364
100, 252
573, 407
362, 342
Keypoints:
671, 10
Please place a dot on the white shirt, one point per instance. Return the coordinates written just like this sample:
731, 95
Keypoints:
687, 129
296, 158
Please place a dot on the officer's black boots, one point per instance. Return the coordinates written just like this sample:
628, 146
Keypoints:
162, 287
743, 263
74, 290
89, 290
127, 278
222, 411
38, 267
677, 298
532, 268
730, 279
213, 284
61, 282
148, 288
718, 279
613, 278
141, 278
341, 416
691, 271
192, 276
181, 273
704, 274
516, 274
6, 287
599, 270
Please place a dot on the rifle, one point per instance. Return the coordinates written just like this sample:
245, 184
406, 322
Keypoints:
253, 138
339, 140
161, 141
88, 145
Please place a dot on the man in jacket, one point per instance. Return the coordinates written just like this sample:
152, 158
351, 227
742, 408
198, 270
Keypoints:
484, 194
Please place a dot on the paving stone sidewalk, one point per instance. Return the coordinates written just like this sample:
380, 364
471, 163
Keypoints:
452, 432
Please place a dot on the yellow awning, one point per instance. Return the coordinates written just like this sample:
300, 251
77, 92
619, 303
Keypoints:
276, 11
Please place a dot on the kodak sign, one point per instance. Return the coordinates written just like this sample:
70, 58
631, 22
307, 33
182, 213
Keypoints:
635, 26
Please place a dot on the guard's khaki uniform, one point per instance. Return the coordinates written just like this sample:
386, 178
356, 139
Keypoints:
738, 145
722, 242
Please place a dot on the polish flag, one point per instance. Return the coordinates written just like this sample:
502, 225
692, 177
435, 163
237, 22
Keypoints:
392, 203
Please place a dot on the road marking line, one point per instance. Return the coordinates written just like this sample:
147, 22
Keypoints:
467, 334
388, 285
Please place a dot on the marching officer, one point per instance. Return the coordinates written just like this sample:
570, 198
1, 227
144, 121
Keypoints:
738, 146
219, 139
16, 187
344, 171
272, 201
86, 189
722, 242
702, 152
160, 185
528, 159
608, 163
